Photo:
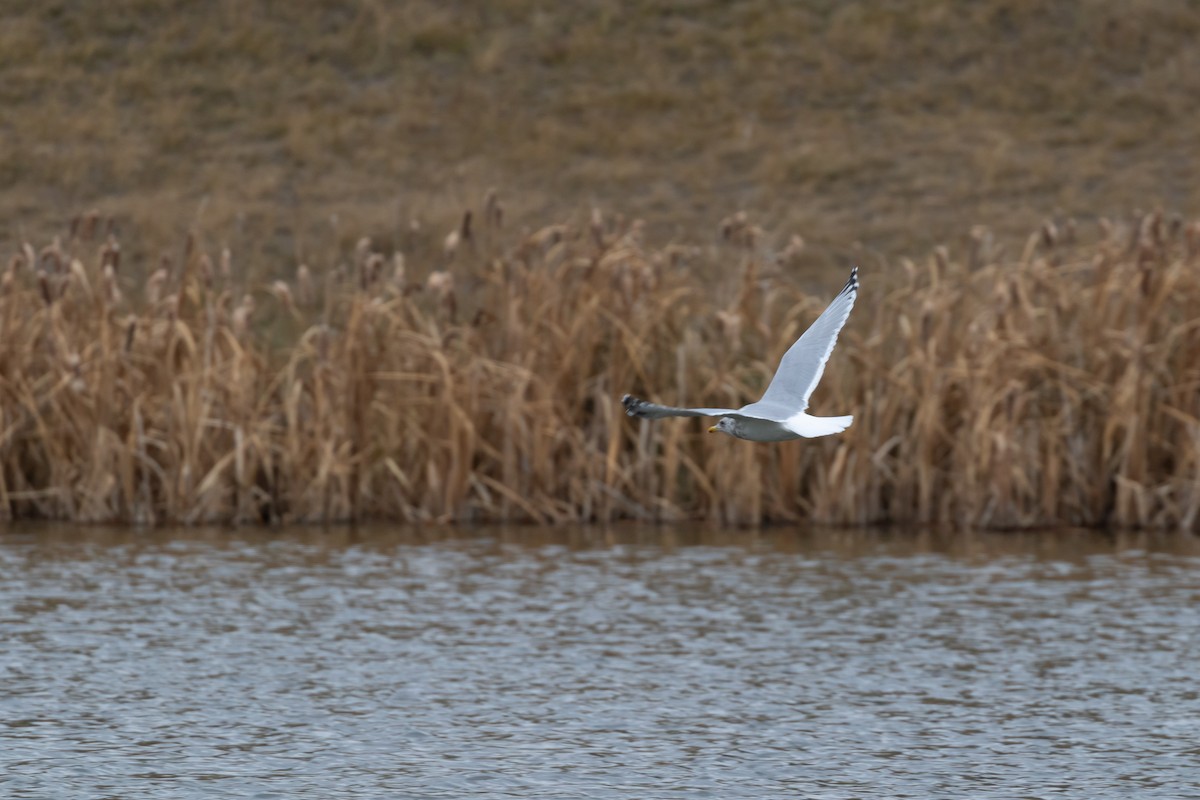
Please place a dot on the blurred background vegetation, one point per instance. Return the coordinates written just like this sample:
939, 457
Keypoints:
287, 131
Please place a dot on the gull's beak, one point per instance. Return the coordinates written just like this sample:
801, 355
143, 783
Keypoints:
713, 429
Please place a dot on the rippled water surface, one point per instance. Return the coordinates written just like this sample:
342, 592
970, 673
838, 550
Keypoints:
628, 663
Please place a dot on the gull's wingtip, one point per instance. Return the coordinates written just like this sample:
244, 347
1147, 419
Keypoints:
852, 284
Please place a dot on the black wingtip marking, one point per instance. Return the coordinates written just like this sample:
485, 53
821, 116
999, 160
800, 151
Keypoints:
852, 284
632, 404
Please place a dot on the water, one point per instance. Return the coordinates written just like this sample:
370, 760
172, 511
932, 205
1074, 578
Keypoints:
631, 663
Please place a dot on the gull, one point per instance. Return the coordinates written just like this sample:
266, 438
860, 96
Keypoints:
780, 414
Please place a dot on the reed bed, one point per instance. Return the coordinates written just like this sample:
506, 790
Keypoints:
481, 382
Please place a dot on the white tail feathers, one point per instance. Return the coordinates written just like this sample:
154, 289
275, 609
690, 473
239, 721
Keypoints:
810, 427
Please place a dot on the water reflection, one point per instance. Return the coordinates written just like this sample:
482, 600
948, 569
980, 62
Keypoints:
626, 662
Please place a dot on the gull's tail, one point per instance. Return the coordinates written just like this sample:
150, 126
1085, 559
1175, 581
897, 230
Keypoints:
810, 427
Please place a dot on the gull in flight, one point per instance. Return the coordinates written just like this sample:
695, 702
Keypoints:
779, 415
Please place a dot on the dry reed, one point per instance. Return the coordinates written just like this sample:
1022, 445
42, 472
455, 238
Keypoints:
1061, 387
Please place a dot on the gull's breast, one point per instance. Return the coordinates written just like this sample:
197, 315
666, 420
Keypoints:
762, 430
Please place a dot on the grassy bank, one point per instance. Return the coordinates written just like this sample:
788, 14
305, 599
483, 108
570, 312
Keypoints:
1057, 384
294, 130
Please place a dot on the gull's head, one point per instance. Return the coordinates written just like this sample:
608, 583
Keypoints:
724, 425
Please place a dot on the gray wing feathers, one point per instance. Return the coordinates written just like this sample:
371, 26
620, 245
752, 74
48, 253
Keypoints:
640, 408
802, 365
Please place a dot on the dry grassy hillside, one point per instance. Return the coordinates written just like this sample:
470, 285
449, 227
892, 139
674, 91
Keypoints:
287, 131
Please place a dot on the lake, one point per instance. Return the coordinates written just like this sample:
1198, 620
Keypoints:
628, 662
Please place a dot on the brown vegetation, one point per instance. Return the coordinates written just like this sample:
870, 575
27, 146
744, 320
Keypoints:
1058, 385
297, 129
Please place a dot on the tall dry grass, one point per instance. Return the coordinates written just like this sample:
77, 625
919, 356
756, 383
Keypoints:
1058, 386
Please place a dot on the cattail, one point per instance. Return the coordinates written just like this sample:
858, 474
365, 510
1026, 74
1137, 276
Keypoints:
636, 228
283, 293
206, 270
596, 227
1070, 235
465, 228
398, 271
737, 230
108, 285
110, 254
491, 208
1155, 228
794, 248
76, 275
241, 316
981, 246
91, 221
154, 286
450, 244
732, 227
225, 268
1192, 238
1136, 232
51, 258
304, 286
44, 288
1146, 240
726, 228
941, 257
1175, 227
549, 236
1009, 395
730, 323
440, 283
362, 248
1049, 232
372, 270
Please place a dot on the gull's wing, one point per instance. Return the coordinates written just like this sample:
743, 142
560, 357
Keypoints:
640, 408
802, 365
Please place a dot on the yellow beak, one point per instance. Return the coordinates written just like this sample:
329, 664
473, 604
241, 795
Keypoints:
713, 429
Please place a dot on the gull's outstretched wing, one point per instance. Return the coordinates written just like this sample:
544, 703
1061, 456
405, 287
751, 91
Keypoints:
802, 365
640, 408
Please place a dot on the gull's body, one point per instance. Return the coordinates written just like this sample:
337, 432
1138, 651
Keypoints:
780, 414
